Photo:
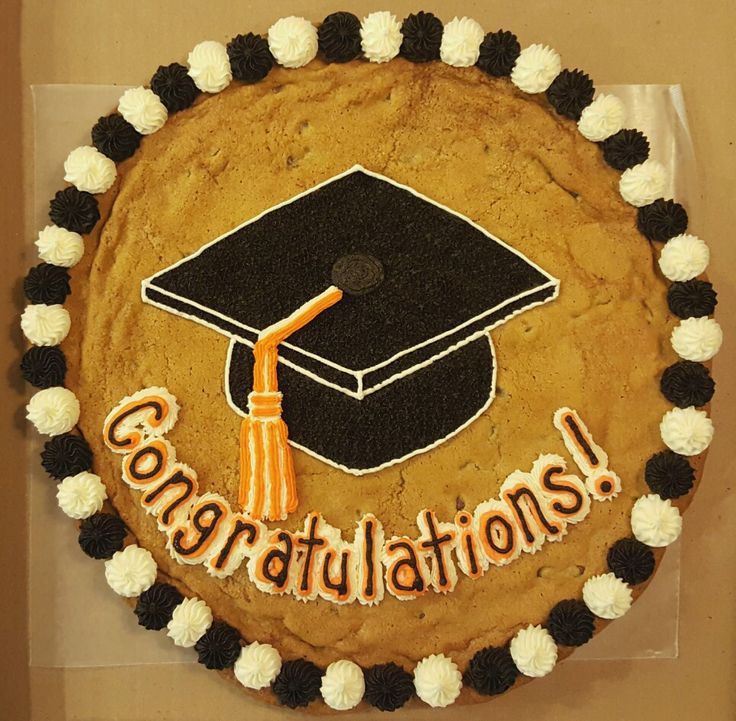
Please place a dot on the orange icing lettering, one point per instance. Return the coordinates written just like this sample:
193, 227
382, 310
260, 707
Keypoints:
243, 535
530, 511
407, 575
368, 544
549, 473
172, 496
272, 567
147, 464
467, 550
498, 533
336, 587
309, 543
437, 540
191, 542
121, 430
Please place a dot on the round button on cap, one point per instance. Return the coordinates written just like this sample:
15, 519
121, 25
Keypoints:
357, 273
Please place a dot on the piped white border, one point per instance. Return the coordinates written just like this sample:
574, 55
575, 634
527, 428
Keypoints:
494, 357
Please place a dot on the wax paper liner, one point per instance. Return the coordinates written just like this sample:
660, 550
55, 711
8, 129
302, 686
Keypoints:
77, 621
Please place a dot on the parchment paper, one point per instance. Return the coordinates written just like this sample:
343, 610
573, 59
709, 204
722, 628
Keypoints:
76, 620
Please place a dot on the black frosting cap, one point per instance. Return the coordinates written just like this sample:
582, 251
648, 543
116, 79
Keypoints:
692, 299
75, 210
101, 535
115, 137
156, 605
669, 474
571, 623
339, 37
46, 283
298, 683
631, 561
174, 87
662, 219
422, 37
498, 53
66, 455
388, 686
44, 366
220, 646
625, 149
570, 92
491, 671
250, 58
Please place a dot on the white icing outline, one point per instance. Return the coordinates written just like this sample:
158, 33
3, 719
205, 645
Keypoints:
358, 375
387, 464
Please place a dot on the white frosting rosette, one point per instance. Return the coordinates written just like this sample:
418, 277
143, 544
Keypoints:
684, 257
343, 685
86, 168
534, 651
209, 66
45, 324
461, 41
60, 246
258, 665
130, 571
535, 69
82, 495
437, 680
380, 36
602, 118
189, 622
143, 109
607, 596
643, 183
53, 411
293, 41
655, 521
697, 339
686, 431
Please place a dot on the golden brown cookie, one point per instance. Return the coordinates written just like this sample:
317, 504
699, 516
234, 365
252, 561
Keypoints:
509, 163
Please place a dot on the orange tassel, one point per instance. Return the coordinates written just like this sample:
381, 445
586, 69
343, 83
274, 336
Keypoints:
267, 481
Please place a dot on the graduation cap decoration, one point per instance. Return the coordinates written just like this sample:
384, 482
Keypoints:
374, 302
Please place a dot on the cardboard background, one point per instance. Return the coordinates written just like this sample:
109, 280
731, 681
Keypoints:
123, 41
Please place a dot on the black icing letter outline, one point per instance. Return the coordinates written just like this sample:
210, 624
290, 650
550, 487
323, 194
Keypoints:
411, 561
513, 497
238, 529
549, 485
178, 478
112, 440
132, 463
204, 531
311, 541
581, 439
487, 530
276, 554
341, 587
435, 543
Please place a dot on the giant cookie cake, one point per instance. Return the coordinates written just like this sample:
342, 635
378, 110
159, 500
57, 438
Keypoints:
383, 375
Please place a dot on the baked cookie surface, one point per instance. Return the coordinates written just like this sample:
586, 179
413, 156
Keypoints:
480, 147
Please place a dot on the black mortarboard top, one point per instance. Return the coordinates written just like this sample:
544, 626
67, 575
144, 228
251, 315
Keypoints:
404, 360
